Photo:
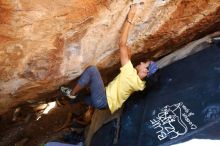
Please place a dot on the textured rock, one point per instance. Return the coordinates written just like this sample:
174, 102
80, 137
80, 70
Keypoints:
45, 43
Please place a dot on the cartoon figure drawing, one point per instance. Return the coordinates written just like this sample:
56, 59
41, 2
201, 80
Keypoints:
173, 114
166, 121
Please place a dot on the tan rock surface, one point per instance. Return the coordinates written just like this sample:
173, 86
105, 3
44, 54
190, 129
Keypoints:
45, 43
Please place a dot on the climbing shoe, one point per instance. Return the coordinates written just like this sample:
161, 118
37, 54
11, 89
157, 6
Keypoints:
67, 92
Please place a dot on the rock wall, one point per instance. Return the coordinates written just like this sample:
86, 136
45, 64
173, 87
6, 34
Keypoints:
44, 43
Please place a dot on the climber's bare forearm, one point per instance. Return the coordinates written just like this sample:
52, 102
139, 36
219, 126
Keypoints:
124, 34
124, 50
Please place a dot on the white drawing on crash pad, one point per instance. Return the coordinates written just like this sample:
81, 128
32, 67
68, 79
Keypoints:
172, 121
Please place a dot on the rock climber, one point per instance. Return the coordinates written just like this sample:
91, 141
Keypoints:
129, 80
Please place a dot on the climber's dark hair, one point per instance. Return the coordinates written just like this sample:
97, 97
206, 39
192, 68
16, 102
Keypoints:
153, 80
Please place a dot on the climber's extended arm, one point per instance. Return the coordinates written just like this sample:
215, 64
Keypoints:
124, 50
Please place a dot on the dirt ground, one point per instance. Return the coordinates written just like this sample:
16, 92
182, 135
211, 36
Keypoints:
26, 130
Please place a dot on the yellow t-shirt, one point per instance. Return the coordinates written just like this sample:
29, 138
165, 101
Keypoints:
123, 85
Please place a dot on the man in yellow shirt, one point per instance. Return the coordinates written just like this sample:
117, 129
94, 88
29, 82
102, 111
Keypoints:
129, 79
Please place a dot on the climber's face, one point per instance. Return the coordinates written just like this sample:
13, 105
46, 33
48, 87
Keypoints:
142, 69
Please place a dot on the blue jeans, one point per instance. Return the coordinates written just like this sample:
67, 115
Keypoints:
92, 78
